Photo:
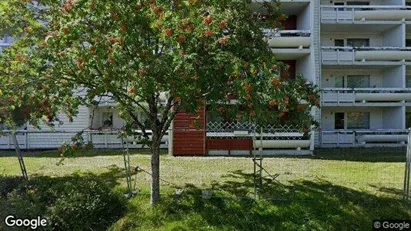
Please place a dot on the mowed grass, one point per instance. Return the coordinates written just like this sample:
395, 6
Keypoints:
333, 190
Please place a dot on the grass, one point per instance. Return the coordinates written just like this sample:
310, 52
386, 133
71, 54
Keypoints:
335, 189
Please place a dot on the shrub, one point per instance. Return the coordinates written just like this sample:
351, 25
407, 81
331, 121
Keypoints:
69, 203
8, 184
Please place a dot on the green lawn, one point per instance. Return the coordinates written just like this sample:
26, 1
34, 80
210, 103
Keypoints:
336, 189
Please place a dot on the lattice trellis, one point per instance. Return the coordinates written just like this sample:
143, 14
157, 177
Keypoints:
270, 132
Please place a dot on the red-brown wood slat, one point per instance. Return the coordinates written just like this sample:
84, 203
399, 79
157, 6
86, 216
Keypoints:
189, 140
229, 144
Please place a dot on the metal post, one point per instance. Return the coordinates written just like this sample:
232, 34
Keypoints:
126, 157
407, 168
26, 137
105, 139
20, 156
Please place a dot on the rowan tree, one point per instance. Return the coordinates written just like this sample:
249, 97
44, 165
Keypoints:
154, 56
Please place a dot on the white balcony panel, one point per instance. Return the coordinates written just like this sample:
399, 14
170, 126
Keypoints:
337, 97
337, 56
331, 15
383, 96
289, 53
381, 55
282, 143
383, 15
337, 138
349, 54
289, 41
384, 137
374, 138
341, 95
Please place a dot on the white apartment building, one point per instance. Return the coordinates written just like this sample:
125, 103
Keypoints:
357, 51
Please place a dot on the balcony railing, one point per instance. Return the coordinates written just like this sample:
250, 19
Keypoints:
288, 38
353, 95
343, 55
395, 137
54, 139
272, 137
364, 13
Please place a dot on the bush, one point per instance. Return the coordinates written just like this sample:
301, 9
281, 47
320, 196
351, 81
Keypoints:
8, 184
68, 203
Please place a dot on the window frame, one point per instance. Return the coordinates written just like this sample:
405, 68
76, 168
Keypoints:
368, 79
351, 39
366, 123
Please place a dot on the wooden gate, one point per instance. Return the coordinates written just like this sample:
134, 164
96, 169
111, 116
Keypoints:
189, 140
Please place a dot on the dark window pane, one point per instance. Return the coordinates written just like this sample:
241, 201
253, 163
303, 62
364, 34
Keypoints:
358, 3
339, 120
358, 81
408, 119
339, 4
339, 42
360, 42
358, 120
107, 118
408, 81
339, 82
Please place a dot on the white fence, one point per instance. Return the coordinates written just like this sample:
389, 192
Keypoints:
355, 138
54, 139
272, 137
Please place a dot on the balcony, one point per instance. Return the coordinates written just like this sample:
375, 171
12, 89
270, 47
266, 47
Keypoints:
288, 38
351, 96
353, 55
288, 44
361, 138
344, 14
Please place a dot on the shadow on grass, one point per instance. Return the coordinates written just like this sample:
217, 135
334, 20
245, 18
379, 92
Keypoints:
298, 205
88, 153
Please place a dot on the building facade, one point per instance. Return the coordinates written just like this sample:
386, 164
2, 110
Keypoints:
358, 52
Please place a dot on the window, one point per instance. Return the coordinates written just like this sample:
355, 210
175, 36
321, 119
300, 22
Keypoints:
358, 42
408, 119
339, 120
358, 3
107, 119
358, 81
339, 4
408, 42
358, 120
408, 81
339, 42
339, 82
408, 3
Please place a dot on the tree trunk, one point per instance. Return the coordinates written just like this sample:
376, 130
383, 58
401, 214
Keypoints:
155, 169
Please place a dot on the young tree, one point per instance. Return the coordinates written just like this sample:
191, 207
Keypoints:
153, 56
